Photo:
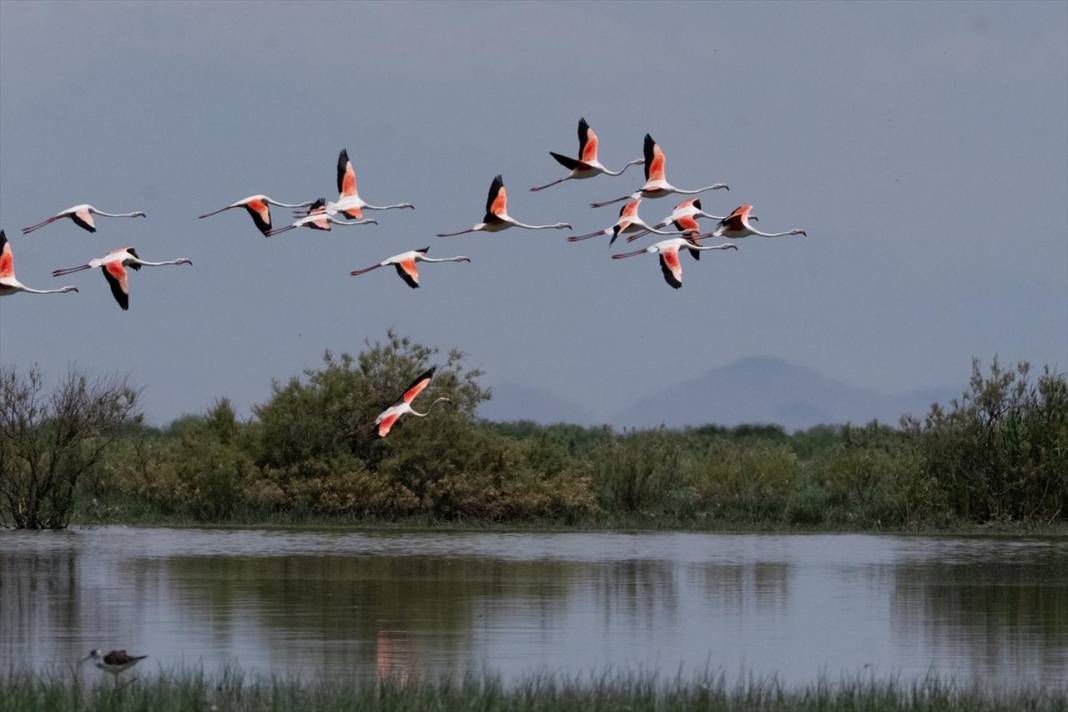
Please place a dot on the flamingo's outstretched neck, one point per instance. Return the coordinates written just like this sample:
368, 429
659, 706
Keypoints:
423, 415
621, 171
715, 186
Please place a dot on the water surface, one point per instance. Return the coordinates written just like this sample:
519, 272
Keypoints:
341, 604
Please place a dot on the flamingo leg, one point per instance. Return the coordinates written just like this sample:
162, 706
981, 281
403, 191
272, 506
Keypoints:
31, 228
549, 185
454, 234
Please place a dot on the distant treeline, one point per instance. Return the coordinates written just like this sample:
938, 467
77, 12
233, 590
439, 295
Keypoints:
998, 454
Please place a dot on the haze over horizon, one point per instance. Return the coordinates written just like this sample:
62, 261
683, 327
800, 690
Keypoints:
934, 190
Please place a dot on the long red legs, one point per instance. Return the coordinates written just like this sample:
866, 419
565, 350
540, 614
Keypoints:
38, 226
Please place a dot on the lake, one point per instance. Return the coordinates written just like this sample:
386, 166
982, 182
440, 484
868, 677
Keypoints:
343, 604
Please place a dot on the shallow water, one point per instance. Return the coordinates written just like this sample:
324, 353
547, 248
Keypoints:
363, 604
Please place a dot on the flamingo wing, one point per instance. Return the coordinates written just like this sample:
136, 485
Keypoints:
260, 212
353, 213
383, 426
7, 257
418, 385
409, 272
671, 267
566, 161
496, 201
654, 160
115, 274
83, 219
346, 174
587, 142
735, 221
696, 254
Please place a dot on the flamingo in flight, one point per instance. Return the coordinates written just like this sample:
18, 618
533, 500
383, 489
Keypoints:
669, 256
259, 209
737, 225
586, 165
684, 218
8, 283
318, 219
656, 185
387, 418
405, 264
349, 203
82, 216
497, 217
628, 222
114, 265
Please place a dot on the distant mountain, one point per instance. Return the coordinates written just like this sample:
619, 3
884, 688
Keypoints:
770, 390
512, 401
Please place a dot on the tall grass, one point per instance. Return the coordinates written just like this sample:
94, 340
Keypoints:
235, 692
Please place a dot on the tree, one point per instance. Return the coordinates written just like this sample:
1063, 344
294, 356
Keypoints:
50, 441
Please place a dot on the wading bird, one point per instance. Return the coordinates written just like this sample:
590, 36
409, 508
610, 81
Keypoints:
405, 264
669, 256
684, 218
259, 209
114, 265
82, 216
8, 283
114, 662
318, 219
656, 185
386, 419
736, 226
586, 165
497, 217
349, 203
628, 222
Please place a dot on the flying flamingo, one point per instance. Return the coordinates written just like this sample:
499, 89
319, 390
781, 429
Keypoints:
736, 226
405, 264
8, 283
82, 216
114, 265
669, 256
497, 217
684, 217
656, 185
349, 203
586, 165
629, 222
318, 219
386, 419
259, 209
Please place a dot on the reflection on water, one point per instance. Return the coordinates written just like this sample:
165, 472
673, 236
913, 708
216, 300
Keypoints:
409, 605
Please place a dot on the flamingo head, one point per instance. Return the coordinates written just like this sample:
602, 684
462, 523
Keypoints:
183, 261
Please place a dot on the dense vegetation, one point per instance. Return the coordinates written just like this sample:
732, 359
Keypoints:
999, 454
235, 692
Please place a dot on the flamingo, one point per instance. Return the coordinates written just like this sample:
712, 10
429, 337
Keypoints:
259, 209
684, 218
586, 165
8, 283
318, 219
114, 265
387, 418
737, 225
497, 217
656, 185
82, 216
669, 256
349, 203
629, 222
405, 264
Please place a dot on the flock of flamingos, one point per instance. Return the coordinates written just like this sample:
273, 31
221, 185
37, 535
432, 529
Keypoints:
321, 214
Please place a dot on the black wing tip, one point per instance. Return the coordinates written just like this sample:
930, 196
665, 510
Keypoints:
697, 204
583, 124
424, 250
649, 139
498, 180
343, 157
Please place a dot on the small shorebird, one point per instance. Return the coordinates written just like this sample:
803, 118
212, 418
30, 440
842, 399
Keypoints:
656, 185
497, 217
259, 209
669, 256
82, 216
737, 225
386, 419
8, 283
114, 265
114, 662
586, 165
629, 222
405, 264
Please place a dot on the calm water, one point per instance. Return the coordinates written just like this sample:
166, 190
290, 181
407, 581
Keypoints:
343, 604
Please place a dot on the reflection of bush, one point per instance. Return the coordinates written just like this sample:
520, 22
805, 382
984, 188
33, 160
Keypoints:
1001, 453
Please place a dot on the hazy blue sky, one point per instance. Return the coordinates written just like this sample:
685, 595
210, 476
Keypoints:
923, 147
